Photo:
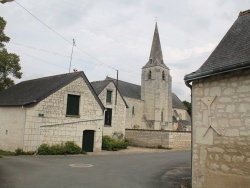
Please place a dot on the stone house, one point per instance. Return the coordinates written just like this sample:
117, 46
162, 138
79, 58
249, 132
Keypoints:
51, 110
151, 105
221, 112
67, 107
115, 107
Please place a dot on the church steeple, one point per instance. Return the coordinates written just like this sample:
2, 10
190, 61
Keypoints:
155, 57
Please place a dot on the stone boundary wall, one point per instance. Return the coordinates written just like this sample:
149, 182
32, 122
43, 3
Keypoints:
159, 138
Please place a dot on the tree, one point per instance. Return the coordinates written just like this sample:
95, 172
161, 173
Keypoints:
189, 107
9, 62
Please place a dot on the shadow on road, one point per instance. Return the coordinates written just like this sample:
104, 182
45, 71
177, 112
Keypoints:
178, 177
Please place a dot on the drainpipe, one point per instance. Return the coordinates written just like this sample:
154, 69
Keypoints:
104, 111
190, 86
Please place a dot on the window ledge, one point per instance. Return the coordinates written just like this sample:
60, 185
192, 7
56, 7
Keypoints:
74, 116
107, 126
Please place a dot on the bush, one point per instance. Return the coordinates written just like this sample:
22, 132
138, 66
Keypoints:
112, 144
21, 152
6, 153
69, 147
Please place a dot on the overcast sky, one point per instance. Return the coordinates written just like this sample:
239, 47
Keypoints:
117, 33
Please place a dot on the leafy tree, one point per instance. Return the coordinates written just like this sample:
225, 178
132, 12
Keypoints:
9, 62
189, 107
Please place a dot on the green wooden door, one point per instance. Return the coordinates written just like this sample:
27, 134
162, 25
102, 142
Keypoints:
88, 140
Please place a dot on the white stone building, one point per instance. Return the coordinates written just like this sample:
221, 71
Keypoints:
67, 107
221, 112
149, 106
51, 110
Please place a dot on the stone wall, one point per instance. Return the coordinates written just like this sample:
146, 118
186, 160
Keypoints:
52, 110
12, 123
118, 111
136, 119
221, 156
157, 95
157, 138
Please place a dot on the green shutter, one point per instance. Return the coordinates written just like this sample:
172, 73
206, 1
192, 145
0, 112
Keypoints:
109, 96
108, 116
73, 105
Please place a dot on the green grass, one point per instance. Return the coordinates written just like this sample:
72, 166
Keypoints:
6, 153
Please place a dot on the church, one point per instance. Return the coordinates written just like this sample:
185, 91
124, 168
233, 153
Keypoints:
151, 105
67, 107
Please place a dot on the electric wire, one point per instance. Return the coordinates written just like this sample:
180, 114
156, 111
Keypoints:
62, 36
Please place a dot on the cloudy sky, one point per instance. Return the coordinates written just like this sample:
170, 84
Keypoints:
116, 34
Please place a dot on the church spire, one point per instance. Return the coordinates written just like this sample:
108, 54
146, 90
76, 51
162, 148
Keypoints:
156, 57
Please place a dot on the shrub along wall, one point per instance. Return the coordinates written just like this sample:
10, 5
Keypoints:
159, 138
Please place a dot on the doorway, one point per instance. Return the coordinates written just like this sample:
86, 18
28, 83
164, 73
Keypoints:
88, 140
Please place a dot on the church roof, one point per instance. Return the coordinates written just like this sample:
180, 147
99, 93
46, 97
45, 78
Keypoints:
33, 91
155, 58
131, 91
232, 53
176, 102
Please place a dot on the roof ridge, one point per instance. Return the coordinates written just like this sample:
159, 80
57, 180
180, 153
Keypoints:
50, 76
109, 78
242, 13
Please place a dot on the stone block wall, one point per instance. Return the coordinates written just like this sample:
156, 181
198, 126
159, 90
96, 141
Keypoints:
222, 159
157, 138
118, 111
12, 122
53, 111
60, 133
135, 120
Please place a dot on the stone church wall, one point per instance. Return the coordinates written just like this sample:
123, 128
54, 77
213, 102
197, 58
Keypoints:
222, 160
157, 138
134, 120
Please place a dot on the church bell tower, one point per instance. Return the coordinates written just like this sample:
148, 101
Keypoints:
156, 88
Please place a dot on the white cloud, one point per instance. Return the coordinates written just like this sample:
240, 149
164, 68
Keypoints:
118, 33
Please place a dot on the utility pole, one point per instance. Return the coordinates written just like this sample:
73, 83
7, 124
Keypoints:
71, 54
116, 86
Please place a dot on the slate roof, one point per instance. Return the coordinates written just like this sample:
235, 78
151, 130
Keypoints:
129, 90
31, 92
232, 53
176, 102
99, 86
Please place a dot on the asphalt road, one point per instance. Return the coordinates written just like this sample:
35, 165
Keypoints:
118, 171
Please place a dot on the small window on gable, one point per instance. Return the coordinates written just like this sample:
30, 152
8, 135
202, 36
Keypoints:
150, 60
108, 116
73, 105
109, 96
149, 75
133, 110
163, 75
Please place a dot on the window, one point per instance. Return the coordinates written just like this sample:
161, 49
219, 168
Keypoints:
108, 116
163, 75
150, 60
133, 110
149, 75
109, 96
73, 105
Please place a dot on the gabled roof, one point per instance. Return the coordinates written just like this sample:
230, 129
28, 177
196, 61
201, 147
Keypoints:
232, 53
176, 102
31, 92
129, 90
155, 58
99, 86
